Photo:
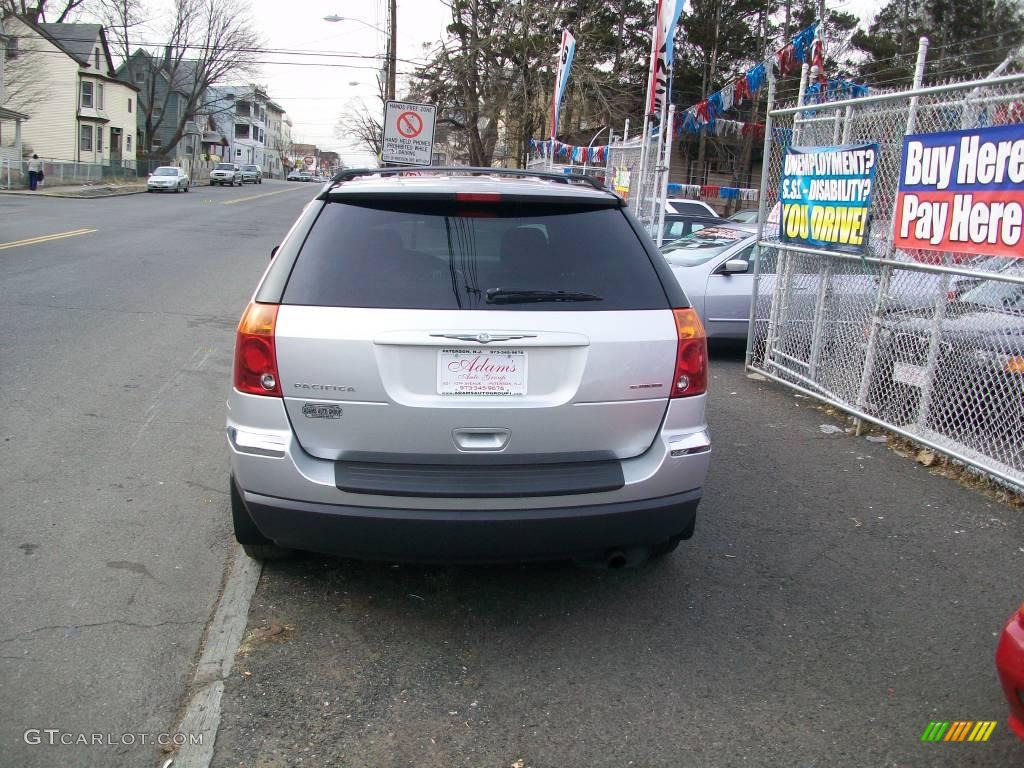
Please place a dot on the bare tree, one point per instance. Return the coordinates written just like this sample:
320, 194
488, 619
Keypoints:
208, 42
42, 10
120, 18
361, 127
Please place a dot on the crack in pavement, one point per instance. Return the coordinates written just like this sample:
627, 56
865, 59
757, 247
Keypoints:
98, 624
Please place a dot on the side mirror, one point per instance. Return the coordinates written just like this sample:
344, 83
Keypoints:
735, 267
274, 250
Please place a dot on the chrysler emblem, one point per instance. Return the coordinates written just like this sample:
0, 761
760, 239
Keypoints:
483, 337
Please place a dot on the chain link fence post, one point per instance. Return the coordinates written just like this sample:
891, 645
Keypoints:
885, 277
762, 208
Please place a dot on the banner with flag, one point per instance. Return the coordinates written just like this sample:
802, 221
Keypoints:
562, 76
665, 20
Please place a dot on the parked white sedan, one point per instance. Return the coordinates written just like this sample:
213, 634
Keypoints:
166, 178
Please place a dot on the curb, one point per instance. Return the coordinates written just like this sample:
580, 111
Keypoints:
71, 195
217, 655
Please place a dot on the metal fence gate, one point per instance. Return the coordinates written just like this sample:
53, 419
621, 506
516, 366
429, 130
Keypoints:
624, 175
929, 345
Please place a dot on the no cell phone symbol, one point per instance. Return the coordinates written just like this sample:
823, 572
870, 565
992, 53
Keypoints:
410, 125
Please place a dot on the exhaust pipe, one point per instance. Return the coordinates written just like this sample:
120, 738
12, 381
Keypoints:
616, 559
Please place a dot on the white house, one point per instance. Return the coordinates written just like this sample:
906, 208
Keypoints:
10, 119
245, 124
79, 111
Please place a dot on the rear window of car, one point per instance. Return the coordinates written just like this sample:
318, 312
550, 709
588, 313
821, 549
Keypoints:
441, 255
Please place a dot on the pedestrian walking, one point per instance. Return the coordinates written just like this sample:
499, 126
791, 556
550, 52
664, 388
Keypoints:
35, 172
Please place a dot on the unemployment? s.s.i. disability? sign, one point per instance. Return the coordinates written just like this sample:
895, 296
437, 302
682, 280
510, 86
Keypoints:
826, 196
963, 192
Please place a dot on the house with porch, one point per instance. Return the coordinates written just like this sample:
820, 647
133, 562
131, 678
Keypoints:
10, 119
80, 112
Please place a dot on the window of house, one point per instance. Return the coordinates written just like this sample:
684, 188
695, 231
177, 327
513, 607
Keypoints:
242, 109
96, 57
241, 131
155, 146
12, 48
140, 75
85, 138
238, 153
99, 95
128, 143
129, 106
99, 138
87, 101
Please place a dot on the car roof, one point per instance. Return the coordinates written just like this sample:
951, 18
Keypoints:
483, 181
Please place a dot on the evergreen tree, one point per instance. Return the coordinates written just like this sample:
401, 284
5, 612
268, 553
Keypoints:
967, 38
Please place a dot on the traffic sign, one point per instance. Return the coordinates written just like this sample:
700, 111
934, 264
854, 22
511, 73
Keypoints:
408, 133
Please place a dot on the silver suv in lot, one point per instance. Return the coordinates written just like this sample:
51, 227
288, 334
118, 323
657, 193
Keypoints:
467, 365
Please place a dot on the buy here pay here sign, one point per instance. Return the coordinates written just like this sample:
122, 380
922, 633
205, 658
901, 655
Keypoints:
963, 192
408, 133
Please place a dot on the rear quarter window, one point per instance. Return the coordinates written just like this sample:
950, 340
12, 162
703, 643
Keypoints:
448, 255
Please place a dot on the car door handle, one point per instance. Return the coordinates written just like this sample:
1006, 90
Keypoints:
481, 439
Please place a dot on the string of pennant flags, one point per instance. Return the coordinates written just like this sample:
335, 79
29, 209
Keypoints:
577, 154
706, 116
711, 192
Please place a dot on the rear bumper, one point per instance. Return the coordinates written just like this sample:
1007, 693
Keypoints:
444, 535
297, 499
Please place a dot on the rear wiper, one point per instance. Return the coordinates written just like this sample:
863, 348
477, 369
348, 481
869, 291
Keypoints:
508, 296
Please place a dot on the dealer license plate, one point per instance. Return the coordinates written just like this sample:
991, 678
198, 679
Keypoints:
499, 373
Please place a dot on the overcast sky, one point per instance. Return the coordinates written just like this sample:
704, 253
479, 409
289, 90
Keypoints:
314, 94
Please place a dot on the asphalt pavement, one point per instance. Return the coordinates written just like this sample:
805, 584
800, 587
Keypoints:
118, 319
835, 599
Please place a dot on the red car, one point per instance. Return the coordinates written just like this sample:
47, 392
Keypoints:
1010, 663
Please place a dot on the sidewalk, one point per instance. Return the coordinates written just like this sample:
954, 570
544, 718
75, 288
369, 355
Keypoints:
82, 190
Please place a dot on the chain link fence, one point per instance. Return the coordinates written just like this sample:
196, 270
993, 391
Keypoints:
927, 344
638, 185
14, 173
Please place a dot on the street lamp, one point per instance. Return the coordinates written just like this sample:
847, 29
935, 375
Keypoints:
390, 32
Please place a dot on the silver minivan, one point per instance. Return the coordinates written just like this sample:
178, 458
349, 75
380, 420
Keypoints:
467, 366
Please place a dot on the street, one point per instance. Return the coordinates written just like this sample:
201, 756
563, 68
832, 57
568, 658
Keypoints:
835, 598
114, 362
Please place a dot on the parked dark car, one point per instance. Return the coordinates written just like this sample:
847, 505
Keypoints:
978, 385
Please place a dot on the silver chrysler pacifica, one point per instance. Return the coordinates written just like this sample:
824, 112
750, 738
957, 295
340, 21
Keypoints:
467, 365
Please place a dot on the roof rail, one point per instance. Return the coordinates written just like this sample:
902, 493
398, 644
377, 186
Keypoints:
348, 174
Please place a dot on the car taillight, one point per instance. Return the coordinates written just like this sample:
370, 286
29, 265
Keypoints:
691, 374
255, 354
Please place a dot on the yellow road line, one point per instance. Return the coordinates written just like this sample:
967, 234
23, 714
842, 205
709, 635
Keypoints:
264, 194
45, 238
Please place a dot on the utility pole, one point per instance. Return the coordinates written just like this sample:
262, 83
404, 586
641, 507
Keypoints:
392, 45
